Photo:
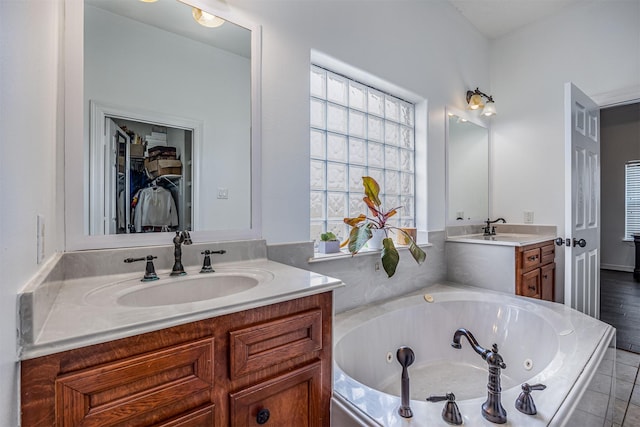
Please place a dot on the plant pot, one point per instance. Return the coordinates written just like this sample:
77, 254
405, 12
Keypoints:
329, 247
375, 242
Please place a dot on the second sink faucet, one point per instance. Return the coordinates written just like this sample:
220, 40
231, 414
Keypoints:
182, 237
489, 230
492, 408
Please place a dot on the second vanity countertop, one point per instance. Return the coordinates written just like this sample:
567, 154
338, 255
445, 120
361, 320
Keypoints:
78, 318
505, 234
504, 239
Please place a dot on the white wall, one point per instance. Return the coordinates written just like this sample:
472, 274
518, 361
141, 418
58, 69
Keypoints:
30, 163
620, 136
594, 45
424, 47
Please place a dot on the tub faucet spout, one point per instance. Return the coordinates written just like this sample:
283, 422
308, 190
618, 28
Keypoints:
492, 408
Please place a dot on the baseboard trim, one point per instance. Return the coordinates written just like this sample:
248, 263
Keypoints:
617, 267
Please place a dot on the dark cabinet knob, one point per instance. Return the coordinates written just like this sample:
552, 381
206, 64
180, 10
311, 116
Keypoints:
263, 416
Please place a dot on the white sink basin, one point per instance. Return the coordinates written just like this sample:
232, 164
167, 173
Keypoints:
169, 290
197, 289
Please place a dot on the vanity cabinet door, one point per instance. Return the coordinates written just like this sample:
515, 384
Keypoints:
548, 281
292, 399
531, 284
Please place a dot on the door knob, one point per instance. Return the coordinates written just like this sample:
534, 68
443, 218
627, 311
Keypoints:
560, 241
582, 243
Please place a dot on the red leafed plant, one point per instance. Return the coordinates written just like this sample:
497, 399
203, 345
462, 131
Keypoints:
362, 226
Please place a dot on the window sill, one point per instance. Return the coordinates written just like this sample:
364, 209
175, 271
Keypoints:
344, 253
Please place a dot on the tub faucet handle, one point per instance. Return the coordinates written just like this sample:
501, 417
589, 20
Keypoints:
524, 402
450, 412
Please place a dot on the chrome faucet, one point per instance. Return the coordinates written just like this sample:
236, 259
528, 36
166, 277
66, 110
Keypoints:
182, 237
492, 409
489, 230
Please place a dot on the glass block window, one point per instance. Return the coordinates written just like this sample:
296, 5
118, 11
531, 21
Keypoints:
632, 199
358, 131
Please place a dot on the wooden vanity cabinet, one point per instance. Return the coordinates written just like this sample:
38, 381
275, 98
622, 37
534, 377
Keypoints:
535, 270
270, 365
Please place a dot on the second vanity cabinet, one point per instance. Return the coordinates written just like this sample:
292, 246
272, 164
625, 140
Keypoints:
513, 266
265, 366
535, 270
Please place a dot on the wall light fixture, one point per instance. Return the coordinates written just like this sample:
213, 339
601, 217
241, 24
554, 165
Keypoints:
206, 19
475, 102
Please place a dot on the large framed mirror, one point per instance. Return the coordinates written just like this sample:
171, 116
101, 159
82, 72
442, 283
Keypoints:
162, 123
467, 168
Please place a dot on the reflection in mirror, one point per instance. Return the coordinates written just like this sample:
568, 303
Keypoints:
168, 115
467, 168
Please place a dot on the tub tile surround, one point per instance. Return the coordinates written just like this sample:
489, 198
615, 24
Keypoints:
55, 315
364, 278
582, 372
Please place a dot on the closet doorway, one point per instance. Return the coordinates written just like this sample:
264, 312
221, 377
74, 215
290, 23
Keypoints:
142, 172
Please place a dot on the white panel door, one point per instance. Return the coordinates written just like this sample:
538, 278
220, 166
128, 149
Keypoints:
582, 193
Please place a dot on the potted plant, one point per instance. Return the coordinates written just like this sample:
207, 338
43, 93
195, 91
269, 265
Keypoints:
328, 243
363, 229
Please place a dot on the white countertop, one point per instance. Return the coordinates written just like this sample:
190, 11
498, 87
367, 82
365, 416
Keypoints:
503, 239
77, 320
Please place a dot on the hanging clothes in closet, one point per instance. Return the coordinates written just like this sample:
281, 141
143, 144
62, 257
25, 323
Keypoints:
155, 208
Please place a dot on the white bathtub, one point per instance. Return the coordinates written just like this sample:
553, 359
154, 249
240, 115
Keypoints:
540, 342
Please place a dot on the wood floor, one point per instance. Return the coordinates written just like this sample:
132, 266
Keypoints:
620, 307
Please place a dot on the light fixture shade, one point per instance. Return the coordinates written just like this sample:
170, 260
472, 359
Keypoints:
475, 102
489, 109
206, 19
148, 1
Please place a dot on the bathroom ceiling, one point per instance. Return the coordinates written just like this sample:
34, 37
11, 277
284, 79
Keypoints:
495, 18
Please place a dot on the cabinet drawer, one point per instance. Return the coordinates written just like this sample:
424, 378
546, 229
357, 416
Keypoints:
547, 254
531, 284
148, 388
530, 258
270, 343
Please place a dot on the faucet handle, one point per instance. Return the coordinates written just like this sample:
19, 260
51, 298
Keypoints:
149, 270
206, 264
450, 412
524, 402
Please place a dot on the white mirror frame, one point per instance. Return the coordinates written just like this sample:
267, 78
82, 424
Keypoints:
475, 120
76, 191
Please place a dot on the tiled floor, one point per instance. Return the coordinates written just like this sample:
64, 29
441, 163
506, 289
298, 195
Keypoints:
627, 412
